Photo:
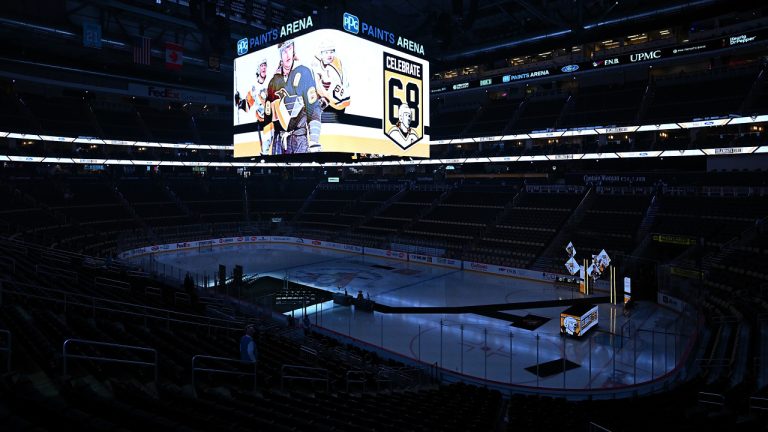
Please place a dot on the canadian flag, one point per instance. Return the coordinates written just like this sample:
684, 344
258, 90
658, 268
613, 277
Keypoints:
174, 56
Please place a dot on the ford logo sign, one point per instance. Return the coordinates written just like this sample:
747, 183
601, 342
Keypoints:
570, 68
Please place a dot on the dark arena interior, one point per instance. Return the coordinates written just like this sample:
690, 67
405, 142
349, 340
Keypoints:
421, 215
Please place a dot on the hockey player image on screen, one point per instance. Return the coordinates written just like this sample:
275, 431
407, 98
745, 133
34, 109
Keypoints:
275, 129
250, 104
570, 325
261, 108
296, 107
332, 84
258, 93
402, 133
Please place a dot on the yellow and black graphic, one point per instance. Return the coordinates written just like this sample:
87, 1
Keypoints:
403, 118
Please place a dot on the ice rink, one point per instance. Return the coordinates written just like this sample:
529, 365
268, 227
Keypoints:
620, 351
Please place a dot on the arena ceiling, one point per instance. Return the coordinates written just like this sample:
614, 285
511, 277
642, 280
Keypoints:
452, 31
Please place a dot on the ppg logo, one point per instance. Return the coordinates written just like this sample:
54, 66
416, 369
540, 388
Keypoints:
351, 23
242, 46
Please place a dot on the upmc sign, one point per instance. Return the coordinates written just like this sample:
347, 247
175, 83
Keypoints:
644, 56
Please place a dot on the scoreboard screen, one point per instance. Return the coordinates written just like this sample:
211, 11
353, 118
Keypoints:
328, 90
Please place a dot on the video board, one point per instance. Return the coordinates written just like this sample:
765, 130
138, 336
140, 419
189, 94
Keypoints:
329, 90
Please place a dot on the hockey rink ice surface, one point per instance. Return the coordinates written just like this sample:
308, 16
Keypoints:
620, 351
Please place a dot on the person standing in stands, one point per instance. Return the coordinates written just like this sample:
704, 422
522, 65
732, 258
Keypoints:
248, 351
189, 288
306, 324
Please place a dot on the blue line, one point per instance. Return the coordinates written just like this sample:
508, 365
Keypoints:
417, 283
304, 265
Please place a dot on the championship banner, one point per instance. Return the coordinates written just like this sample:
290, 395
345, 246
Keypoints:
91, 35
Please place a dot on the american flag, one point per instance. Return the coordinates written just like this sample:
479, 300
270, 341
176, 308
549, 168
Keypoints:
141, 50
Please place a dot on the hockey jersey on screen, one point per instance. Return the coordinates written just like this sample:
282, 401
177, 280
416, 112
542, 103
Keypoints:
297, 102
332, 86
267, 137
404, 139
257, 98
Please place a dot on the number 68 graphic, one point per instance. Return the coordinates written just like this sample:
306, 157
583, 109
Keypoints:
397, 94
